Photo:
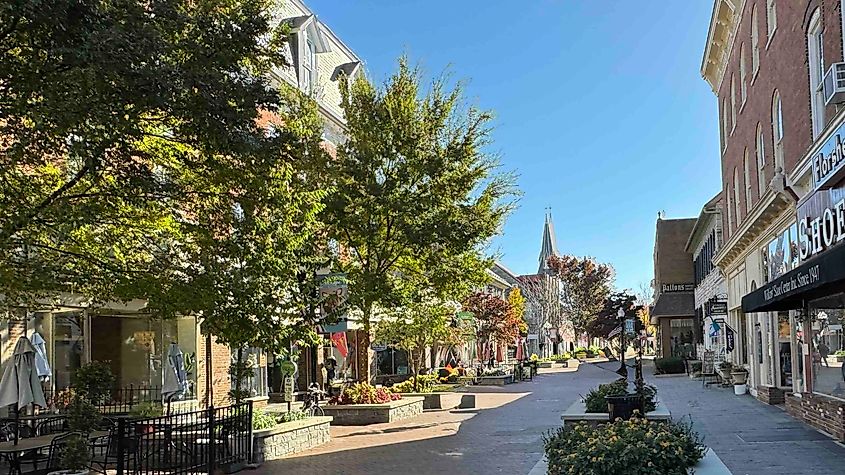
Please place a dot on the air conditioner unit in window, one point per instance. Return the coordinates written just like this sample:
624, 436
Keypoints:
834, 84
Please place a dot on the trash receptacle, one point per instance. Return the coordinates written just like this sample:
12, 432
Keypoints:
623, 406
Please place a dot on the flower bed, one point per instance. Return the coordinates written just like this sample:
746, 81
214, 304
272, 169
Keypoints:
288, 438
595, 399
363, 414
634, 446
364, 393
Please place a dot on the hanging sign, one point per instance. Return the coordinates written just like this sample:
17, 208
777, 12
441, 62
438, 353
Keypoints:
730, 337
717, 308
629, 325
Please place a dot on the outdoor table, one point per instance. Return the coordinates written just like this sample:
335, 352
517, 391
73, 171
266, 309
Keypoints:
11, 451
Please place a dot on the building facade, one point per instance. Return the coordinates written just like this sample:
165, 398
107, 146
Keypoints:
674, 302
772, 65
710, 296
76, 331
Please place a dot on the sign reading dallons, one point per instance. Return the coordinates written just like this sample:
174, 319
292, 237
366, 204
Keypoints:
668, 288
828, 162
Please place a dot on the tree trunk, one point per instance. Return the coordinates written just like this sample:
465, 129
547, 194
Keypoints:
364, 357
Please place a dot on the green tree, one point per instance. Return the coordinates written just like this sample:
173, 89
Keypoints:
411, 182
517, 303
585, 285
102, 104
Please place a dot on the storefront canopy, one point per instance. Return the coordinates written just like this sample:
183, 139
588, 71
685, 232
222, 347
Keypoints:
818, 277
674, 304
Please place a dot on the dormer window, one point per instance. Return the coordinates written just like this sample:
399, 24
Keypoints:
309, 66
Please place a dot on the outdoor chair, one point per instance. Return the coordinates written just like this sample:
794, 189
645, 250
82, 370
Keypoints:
54, 425
104, 449
55, 452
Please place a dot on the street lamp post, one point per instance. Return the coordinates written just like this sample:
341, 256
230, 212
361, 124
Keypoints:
623, 369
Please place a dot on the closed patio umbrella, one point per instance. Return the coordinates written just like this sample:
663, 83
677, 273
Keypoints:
175, 378
20, 384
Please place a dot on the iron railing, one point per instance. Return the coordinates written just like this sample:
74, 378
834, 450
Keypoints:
205, 441
122, 399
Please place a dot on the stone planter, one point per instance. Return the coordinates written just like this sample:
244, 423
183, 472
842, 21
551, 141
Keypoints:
289, 438
364, 414
495, 380
739, 377
577, 413
839, 359
439, 400
546, 364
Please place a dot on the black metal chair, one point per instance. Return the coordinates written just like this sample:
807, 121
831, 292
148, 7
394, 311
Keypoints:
104, 449
53, 425
56, 451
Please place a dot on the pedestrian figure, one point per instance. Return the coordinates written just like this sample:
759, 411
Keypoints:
331, 371
824, 351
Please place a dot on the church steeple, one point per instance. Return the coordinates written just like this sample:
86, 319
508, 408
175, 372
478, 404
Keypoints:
548, 247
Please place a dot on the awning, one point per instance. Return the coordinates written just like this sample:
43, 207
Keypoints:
820, 276
673, 304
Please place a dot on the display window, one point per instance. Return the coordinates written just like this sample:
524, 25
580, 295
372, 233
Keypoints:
827, 345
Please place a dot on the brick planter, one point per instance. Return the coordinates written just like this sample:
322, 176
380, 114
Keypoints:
771, 395
364, 414
823, 413
289, 438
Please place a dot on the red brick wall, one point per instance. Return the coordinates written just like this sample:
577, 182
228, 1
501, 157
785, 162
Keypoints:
220, 362
823, 413
770, 395
783, 67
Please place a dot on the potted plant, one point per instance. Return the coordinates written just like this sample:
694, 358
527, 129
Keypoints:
739, 375
146, 410
725, 368
581, 353
83, 418
839, 356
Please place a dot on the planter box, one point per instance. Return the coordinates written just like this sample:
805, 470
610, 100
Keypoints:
364, 414
289, 438
439, 400
839, 359
495, 380
546, 364
577, 412
711, 464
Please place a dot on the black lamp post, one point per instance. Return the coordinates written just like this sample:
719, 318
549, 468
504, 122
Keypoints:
623, 368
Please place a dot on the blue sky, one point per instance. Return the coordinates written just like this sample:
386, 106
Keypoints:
600, 108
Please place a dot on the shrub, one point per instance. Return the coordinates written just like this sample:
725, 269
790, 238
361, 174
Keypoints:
493, 372
365, 393
633, 446
579, 349
94, 381
595, 399
293, 416
839, 353
425, 383
262, 420
670, 365
147, 409
695, 366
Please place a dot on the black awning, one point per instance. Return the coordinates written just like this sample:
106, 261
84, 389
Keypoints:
818, 277
674, 304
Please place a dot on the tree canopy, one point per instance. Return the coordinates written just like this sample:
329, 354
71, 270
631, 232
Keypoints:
495, 317
585, 284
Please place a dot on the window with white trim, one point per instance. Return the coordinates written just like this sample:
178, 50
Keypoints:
730, 209
771, 17
733, 102
815, 50
747, 177
726, 130
755, 41
737, 204
761, 162
309, 65
777, 131
743, 87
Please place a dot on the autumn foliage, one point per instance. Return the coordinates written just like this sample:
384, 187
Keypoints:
496, 318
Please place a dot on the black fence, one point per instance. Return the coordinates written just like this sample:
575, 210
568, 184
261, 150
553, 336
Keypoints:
211, 441
121, 401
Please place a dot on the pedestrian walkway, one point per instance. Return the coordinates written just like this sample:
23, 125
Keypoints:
749, 436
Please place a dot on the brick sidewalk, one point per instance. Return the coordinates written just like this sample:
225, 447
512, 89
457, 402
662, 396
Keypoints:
749, 436
502, 435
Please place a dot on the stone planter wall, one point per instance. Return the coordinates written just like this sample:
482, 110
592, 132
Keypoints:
289, 438
495, 380
440, 400
577, 413
823, 413
364, 414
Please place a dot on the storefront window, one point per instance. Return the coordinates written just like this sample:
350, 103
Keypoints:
784, 350
392, 361
827, 345
781, 254
798, 355
64, 343
254, 381
682, 338
136, 348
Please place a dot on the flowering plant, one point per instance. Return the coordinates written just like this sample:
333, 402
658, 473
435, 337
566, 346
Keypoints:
633, 446
364, 393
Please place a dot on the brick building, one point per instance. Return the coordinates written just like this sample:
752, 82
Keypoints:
674, 301
772, 65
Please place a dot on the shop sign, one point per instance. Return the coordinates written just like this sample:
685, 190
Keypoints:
717, 308
792, 282
533, 336
629, 325
287, 393
669, 288
378, 346
730, 339
829, 162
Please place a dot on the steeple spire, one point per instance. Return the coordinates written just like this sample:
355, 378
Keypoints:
548, 247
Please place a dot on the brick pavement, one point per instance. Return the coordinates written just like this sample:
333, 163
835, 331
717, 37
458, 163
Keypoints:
750, 437
502, 435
